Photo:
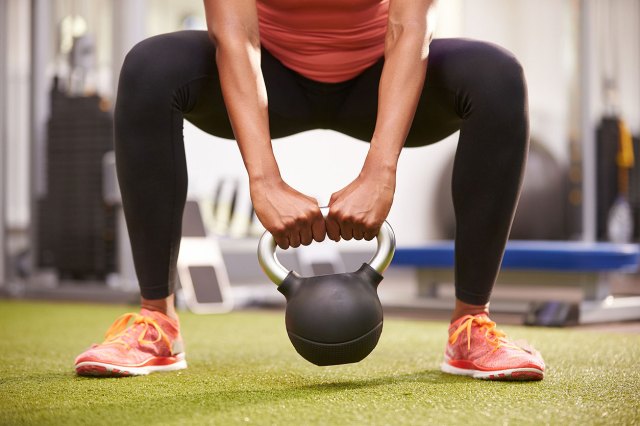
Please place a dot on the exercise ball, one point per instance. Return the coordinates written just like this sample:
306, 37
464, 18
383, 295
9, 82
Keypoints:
542, 209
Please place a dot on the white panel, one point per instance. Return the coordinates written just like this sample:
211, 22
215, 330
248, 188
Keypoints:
321, 162
545, 54
449, 23
628, 12
128, 28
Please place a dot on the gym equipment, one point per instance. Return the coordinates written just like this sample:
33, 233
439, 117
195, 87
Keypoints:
634, 189
614, 143
242, 212
224, 204
618, 218
319, 259
201, 269
231, 210
76, 230
553, 314
332, 319
544, 265
544, 189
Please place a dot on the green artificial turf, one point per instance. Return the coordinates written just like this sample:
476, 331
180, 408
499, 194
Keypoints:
243, 370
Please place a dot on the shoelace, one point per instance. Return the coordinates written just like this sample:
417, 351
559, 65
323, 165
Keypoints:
493, 336
115, 334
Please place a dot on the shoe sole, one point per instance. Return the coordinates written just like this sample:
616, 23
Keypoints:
101, 369
512, 374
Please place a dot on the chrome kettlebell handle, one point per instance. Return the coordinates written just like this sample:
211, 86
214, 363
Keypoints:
277, 273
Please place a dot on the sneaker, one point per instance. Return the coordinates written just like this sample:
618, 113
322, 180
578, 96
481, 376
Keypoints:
477, 349
150, 343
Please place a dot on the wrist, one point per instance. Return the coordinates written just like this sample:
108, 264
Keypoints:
263, 169
380, 161
261, 178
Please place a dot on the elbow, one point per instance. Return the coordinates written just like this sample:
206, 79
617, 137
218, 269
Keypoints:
212, 36
233, 36
413, 35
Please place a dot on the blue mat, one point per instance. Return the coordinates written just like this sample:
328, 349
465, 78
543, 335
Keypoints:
534, 255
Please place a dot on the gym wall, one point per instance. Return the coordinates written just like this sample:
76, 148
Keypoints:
548, 55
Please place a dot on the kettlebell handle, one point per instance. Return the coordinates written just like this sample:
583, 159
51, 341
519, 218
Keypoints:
277, 273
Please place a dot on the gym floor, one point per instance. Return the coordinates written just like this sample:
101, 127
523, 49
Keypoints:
243, 370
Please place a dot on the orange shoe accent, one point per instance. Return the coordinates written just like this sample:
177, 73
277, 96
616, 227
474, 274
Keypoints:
477, 349
149, 343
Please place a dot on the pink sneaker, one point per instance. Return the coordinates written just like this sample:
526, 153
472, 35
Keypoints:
477, 349
150, 343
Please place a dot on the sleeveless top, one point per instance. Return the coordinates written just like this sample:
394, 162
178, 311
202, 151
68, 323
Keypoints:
324, 40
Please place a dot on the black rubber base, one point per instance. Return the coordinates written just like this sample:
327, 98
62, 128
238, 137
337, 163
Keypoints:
323, 354
553, 314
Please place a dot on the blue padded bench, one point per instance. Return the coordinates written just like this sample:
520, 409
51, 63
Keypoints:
543, 264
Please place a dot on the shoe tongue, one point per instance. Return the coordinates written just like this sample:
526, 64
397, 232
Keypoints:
466, 317
163, 321
454, 325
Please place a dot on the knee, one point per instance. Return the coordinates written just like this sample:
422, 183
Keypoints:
166, 61
141, 62
502, 73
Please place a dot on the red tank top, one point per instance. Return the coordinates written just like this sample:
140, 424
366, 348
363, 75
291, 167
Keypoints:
324, 40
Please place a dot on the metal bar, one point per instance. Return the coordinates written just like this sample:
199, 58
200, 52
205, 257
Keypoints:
41, 32
3, 137
586, 123
609, 310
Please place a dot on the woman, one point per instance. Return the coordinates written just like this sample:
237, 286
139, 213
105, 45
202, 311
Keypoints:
271, 68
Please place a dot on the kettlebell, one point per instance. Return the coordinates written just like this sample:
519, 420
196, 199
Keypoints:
332, 319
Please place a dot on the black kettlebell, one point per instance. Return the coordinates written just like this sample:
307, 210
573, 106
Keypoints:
332, 319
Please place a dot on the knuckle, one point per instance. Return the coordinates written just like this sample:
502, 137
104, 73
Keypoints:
371, 225
301, 221
288, 223
278, 231
343, 219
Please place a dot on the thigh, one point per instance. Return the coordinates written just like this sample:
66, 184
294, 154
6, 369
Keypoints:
172, 75
289, 109
454, 81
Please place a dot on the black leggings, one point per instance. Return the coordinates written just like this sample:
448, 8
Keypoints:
471, 86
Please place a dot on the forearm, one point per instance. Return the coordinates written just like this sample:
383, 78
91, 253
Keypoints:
406, 52
233, 28
245, 97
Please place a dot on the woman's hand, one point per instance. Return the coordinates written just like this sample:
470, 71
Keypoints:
290, 216
358, 210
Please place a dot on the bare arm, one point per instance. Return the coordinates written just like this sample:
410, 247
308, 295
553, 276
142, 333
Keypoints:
290, 216
233, 28
359, 209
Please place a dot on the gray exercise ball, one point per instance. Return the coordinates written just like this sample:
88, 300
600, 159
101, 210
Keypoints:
542, 210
